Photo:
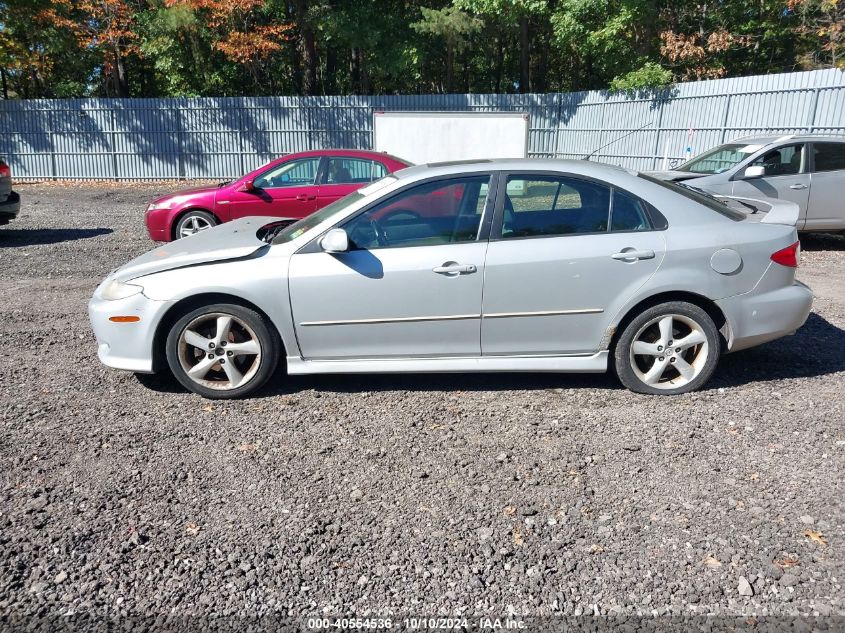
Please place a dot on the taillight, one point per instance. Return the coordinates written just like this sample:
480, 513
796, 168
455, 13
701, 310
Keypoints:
5, 172
789, 256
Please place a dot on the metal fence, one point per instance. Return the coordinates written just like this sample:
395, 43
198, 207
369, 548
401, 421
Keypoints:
140, 139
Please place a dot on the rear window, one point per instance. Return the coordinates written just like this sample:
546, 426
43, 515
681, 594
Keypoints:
829, 156
698, 196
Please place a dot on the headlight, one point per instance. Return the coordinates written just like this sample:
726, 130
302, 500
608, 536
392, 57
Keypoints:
164, 204
117, 290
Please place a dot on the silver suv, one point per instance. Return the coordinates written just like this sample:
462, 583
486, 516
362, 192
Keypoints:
807, 169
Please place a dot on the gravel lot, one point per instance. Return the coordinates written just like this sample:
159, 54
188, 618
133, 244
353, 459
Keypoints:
473, 494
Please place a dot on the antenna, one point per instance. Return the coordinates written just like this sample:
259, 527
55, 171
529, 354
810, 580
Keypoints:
598, 149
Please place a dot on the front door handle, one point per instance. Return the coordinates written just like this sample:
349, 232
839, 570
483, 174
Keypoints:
304, 197
632, 254
451, 268
798, 186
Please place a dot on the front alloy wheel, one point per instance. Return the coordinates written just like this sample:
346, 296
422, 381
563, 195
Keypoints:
194, 222
222, 351
669, 349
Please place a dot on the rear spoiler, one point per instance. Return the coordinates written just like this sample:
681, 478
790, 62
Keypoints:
777, 211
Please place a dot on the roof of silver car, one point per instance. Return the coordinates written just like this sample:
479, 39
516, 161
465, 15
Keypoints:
766, 139
583, 167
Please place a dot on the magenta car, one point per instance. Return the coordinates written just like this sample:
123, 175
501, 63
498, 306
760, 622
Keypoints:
293, 186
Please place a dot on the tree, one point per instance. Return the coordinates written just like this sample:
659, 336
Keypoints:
604, 39
249, 33
69, 48
823, 28
517, 14
452, 25
102, 27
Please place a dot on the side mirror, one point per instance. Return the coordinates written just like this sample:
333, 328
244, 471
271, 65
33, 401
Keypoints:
754, 171
248, 186
335, 241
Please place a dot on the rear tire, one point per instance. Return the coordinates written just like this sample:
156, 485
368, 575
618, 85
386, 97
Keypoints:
222, 351
669, 349
193, 222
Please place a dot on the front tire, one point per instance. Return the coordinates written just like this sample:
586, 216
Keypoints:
668, 349
222, 351
193, 222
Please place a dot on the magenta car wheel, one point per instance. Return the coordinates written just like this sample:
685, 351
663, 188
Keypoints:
194, 222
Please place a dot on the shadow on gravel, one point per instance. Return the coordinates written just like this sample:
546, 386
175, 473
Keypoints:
815, 350
37, 237
162, 382
281, 384
822, 242
351, 383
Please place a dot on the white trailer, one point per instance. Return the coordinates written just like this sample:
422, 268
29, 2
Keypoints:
431, 137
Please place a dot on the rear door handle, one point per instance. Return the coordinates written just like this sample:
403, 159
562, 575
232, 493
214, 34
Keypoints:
798, 186
632, 254
450, 268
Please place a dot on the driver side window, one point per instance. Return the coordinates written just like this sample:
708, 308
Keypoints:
440, 212
783, 161
294, 173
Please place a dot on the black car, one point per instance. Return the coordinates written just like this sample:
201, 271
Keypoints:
10, 201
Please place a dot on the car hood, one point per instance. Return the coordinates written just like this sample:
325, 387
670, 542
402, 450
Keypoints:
674, 176
179, 196
232, 240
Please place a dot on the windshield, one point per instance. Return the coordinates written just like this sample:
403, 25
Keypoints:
719, 159
293, 231
697, 195
286, 233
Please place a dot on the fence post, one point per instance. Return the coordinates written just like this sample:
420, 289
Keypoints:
812, 122
180, 167
115, 174
557, 120
305, 101
658, 128
725, 118
241, 138
52, 137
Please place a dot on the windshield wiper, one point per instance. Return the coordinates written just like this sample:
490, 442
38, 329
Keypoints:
700, 192
724, 201
223, 184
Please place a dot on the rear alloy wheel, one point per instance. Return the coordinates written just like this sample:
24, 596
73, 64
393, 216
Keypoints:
669, 349
222, 351
194, 222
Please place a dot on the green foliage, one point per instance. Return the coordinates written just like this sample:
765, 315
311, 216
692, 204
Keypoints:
177, 50
605, 38
649, 76
508, 11
451, 24
162, 48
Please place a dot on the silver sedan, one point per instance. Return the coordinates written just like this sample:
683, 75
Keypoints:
511, 265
